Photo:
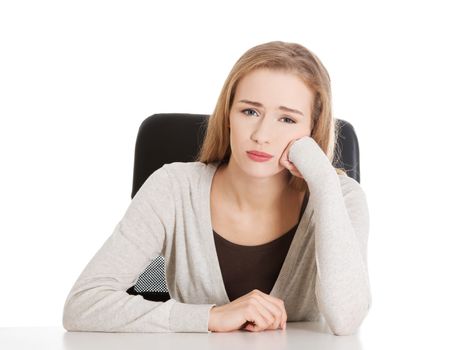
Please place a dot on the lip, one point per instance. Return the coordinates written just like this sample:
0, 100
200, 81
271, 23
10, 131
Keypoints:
258, 157
260, 154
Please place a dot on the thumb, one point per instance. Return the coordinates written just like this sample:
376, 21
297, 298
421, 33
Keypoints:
250, 327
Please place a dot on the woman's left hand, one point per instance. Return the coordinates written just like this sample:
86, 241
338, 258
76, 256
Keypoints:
286, 163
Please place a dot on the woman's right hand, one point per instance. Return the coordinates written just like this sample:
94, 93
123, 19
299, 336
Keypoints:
255, 311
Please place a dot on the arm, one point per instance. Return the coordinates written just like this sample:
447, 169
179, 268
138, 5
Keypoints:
341, 231
98, 301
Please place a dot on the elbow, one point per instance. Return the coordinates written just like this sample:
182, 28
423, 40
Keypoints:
67, 321
68, 325
344, 316
345, 326
343, 329
83, 310
70, 318
348, 324
73, 315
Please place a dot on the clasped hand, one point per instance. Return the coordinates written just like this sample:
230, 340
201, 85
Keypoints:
254, 311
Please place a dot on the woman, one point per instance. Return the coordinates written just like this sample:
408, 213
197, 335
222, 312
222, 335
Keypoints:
250, 242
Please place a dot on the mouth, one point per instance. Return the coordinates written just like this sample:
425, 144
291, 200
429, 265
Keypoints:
259, 156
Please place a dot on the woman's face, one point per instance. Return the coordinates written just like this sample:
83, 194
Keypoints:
260, 119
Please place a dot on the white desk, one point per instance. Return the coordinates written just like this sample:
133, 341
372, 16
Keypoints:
297, 335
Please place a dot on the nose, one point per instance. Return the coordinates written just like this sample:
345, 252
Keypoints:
262, 131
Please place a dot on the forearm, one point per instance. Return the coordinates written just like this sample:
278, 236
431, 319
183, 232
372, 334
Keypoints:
342, 287
341, 225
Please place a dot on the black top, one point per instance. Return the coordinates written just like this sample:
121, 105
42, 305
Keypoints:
245, 268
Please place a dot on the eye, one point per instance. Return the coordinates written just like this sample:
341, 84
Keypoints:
292, 121
248, 109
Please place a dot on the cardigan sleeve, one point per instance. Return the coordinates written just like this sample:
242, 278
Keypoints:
341, 233
98, 301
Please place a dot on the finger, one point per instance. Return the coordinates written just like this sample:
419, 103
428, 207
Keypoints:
283, 158
278, 302
288, 162
290, 167
275, 313
293, 169
276, 306
265, 310
285, 164
257, 322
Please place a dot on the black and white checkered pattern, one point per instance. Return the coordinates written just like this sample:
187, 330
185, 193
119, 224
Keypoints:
153, 278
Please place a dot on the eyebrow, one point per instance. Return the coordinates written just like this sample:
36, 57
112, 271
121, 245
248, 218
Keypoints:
282, 108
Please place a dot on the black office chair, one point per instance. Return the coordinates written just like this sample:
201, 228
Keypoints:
176, 137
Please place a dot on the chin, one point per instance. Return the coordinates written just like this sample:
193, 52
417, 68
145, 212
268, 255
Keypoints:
261, 170
256, 169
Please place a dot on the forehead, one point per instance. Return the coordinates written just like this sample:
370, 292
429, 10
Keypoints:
273, 87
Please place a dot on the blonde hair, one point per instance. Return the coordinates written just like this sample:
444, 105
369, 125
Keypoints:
277, 55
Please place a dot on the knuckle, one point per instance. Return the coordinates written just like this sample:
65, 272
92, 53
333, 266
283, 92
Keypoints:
249, 309
253, 302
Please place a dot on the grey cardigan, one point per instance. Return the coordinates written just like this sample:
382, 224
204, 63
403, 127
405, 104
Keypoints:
324, 274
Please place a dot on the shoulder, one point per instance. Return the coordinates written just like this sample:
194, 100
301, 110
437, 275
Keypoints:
176, 179
190, 174
182, 170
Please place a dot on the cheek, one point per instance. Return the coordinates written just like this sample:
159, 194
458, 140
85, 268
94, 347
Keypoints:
293, 135
237, 135
239, 130
302, 130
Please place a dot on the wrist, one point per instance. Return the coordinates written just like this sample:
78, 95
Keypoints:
211, 321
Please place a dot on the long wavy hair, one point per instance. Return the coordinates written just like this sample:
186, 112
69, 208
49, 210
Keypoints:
288, 57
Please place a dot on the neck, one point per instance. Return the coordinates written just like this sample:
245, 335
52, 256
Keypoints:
252, 194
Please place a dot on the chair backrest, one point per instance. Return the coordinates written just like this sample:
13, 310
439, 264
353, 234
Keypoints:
176, 137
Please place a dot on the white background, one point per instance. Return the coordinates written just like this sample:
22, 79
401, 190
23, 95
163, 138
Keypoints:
78, 78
